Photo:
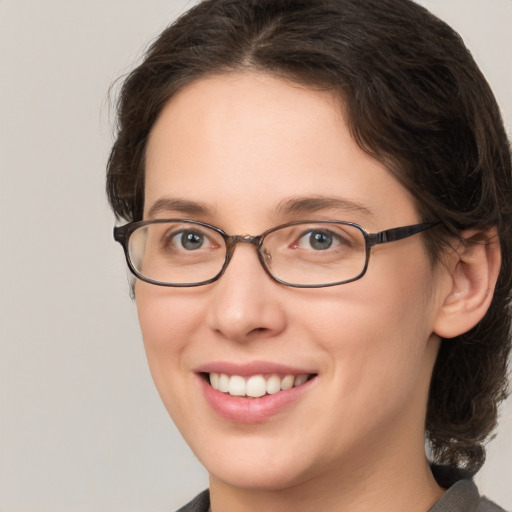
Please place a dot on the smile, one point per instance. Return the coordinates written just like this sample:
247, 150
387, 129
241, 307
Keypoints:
253, 392
255, 386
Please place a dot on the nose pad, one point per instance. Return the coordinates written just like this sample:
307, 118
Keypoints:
267, 257
245, 301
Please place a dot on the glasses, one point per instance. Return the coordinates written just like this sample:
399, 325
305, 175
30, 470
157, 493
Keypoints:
306, 254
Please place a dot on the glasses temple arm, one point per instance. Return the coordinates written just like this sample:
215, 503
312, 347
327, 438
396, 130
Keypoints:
394, 234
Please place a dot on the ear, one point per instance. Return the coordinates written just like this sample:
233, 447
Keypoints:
473, 269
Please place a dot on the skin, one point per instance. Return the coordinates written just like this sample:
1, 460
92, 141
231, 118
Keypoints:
242, 144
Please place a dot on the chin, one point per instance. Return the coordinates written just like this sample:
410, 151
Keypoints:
248, 476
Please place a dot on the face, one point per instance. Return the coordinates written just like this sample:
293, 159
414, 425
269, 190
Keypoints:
247, 152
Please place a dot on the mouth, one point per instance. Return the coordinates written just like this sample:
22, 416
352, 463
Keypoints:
255, 386
254, 392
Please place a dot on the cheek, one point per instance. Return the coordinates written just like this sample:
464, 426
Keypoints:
377, 332
168, 320
374, 341
166, 315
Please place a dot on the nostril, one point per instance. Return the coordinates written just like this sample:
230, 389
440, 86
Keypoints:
258, 330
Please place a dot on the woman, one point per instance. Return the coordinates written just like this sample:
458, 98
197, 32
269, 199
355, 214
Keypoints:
357, 147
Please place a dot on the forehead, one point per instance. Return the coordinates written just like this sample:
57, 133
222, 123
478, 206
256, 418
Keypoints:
251, 141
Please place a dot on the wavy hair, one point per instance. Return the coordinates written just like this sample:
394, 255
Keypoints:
414, 99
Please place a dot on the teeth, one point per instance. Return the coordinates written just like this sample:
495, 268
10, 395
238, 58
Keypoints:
214, 380
237, 386
273, 384
299, 380
287, 382
223, 383
256, 385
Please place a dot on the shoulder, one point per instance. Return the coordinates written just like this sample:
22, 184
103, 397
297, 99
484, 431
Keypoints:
461, 496
488, 506
461, 493
201, 503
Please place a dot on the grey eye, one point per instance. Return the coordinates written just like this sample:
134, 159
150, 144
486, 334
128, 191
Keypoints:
189, 240
317, 240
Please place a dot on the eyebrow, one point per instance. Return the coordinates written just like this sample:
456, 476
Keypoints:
301, 205
170, 204
291, 206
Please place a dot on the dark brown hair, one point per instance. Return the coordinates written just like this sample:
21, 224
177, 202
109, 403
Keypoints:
414, 99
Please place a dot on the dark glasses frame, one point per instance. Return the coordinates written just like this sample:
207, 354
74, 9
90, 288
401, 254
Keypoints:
122, 235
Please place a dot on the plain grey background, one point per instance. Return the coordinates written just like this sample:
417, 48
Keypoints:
81, 426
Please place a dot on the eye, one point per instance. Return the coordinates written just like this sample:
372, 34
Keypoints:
189, 240
184, 239
318, 240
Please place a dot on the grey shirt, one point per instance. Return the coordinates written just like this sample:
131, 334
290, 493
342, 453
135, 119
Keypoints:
461, 493
461, 496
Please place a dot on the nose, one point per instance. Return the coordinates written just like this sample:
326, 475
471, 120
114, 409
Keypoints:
245, 302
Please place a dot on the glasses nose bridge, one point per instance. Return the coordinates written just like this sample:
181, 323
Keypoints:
233, 240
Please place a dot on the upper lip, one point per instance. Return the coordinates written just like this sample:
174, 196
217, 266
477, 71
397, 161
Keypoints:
252, 368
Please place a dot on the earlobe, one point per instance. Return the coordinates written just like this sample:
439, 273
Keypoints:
473, 269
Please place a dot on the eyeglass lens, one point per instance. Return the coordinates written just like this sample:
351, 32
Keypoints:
303, 254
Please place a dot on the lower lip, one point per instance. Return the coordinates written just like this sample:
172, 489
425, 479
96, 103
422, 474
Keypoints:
252, 410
